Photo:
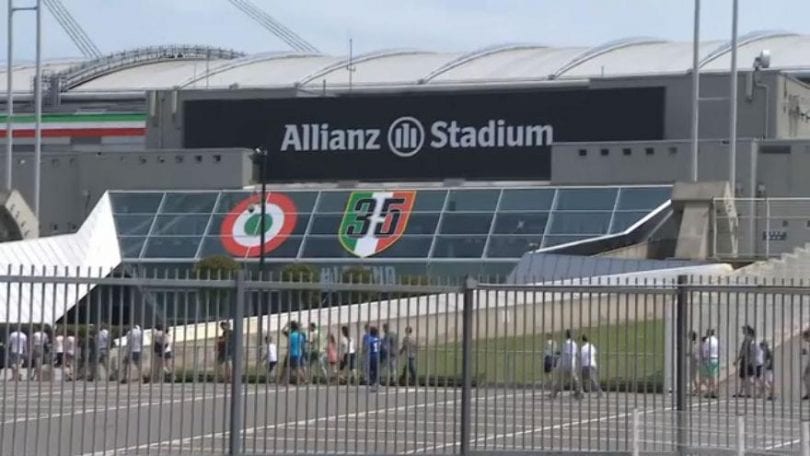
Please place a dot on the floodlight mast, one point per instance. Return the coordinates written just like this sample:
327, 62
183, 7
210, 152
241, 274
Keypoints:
274, 26
74, 31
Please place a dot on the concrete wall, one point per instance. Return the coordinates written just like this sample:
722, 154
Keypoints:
72, 182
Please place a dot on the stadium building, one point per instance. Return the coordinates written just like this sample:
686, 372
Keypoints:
414, 163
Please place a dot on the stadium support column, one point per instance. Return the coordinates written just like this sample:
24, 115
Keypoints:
732, 110
695, 92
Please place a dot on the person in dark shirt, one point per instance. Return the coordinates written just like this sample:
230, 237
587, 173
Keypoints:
373, 354
767, 378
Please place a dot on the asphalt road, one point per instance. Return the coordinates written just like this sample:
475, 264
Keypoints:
83, 418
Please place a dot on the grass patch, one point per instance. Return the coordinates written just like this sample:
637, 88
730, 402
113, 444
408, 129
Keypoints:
630, 357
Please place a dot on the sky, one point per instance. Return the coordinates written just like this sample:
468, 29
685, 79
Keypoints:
437, 25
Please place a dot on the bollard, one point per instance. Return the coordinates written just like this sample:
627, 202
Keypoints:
636, 436
740, 435
805, 438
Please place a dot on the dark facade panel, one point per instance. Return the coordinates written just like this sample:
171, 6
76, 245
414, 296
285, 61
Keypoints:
492, 135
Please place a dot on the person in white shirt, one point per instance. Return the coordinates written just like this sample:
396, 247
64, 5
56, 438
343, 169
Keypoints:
710, 355
590, 373
39, 340
103, 353
134, 348
59, 348
567, 367
348, 353
168, 355
270, 355
17, 351
70, 354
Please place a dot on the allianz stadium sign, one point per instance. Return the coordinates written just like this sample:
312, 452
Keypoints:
406, 136
422, 136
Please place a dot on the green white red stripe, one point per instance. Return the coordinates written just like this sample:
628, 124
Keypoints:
374, 221
78, 125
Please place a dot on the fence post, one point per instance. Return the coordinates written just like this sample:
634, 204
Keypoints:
238, 366
470, 285
805, 438
636, 433
681, 380
740, 435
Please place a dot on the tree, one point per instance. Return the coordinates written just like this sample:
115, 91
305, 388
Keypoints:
216, 266
216, 302
302, 273
359, 275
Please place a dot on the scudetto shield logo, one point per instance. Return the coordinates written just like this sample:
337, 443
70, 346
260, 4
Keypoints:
241, 230
374, 221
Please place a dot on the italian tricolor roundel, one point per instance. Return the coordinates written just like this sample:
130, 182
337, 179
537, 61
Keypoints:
241, 230
374, 221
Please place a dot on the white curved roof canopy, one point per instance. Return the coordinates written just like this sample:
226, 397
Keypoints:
514, 62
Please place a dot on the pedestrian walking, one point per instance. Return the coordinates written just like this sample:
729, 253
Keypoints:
168, 356
59, 348
745, 363
409, 349
103, 344
767, 367
388, 354
566, 372
316, 346
39, 342
710, 355
70, 355
590, 371
332, 356
373, 354
17, 351
296, 340
223, 351
694, 360
348, 354
270, 355
806, 371
158, 350
134, 358
364, 340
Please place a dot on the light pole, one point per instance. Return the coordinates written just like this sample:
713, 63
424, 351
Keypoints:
732, 113
695, 92
37, 8
260, 159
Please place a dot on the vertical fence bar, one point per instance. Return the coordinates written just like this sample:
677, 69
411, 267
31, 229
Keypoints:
740, 447
805, 442
466, 363
238, 366
681, 321
636, 444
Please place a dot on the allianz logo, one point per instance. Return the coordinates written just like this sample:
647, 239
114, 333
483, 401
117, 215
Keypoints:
406, 136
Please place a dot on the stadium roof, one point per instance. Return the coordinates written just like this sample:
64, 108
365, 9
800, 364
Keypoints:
167, 67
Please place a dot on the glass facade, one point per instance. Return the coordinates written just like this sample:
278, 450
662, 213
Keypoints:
411, 225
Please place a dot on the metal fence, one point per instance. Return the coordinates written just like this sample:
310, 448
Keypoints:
179, 365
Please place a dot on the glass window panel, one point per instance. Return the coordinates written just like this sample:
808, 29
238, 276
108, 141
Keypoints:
325, 247
459, 246
127, 224
408, 247
300, 224
172, 246
584, 199
131, 246
643, 197
594, 223
333, 202
473, 200
181, 224
303, 201
521, 223
135, 203
326, 224
527, 199
212, 245
200, 203
466, 223
623, 220
429, 201
550, 240
512, 246
422, 224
